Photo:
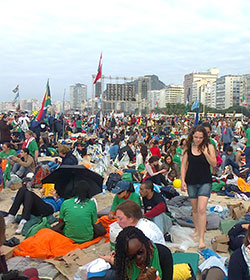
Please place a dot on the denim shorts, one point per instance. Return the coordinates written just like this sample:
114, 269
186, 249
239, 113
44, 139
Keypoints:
199, 190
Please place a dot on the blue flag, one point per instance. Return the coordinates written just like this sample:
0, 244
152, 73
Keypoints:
196, 116
195, 104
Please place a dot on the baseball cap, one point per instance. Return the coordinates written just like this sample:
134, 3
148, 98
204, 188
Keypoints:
120, 187
97, 268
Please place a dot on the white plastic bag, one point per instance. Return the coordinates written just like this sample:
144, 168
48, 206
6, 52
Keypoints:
77, 155
180, 237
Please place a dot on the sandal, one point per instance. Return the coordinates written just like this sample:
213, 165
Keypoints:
12, 242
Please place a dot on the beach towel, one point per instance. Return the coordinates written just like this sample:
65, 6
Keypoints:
243, 185
47, 244
189, 258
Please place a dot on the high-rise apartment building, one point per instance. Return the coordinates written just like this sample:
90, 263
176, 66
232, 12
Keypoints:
194, 81
78, 95
229, 89
170, 94
246, 91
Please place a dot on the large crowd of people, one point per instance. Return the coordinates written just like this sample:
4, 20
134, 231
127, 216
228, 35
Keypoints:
158, 149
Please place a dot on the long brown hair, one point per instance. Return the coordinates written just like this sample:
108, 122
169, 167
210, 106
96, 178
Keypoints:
205, 142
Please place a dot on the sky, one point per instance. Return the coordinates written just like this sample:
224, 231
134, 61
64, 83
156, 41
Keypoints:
62, 40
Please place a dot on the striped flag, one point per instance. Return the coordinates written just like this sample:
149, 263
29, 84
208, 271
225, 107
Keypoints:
45, 104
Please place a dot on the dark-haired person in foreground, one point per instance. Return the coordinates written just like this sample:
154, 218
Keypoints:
239, 264
137, 258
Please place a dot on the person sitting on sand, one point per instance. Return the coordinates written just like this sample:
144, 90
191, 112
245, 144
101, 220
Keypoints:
67, 156
32, 205
155, 207
129, 213
30, 273
78, 216
7, 150
137, 258
239, 263
124, 191
24, 165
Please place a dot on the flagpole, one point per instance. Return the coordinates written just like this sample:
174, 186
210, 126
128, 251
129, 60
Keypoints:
64, 100
93, 94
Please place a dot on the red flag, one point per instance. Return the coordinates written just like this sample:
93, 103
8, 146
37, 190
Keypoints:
99, 71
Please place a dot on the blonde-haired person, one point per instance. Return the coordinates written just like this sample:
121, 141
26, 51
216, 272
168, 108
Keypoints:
67, 155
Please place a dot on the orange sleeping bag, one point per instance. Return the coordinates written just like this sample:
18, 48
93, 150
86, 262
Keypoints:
47, 244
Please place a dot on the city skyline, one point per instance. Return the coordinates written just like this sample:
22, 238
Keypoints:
62, 41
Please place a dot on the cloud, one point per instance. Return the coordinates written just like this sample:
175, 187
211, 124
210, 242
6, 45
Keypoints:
63, 39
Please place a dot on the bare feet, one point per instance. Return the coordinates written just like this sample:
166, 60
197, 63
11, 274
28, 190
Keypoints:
193, 235
202, 246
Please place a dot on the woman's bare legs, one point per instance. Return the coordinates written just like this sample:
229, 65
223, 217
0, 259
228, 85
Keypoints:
200, 218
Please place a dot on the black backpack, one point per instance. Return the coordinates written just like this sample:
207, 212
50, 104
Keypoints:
113, 179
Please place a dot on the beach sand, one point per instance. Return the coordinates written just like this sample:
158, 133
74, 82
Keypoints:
104, 200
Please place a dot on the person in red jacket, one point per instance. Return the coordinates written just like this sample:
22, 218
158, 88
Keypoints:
155, 150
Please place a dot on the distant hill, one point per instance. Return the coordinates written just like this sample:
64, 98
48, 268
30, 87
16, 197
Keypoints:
156, 84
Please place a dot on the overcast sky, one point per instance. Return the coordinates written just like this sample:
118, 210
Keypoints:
62, 40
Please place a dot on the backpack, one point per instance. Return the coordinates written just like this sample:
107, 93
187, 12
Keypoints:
41, 172
113, 179
169, 192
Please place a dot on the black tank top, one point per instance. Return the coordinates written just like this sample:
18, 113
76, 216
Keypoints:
198, 171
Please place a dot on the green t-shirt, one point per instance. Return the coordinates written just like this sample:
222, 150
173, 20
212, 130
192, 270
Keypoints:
79, 124
7, 170
79, 219
154, 262
248, 137
179, 151
214, 144
32, 148
133, 196
10, 153
17, 128
177, 159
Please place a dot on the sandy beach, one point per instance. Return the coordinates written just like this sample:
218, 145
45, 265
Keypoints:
104, 200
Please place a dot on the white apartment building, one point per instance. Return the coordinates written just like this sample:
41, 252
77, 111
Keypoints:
173, 94
229, 89
246, 90
170, 94
155, 99
78, 95
194, 81
208, 94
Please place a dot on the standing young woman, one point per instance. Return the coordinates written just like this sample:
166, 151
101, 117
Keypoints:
196, 177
